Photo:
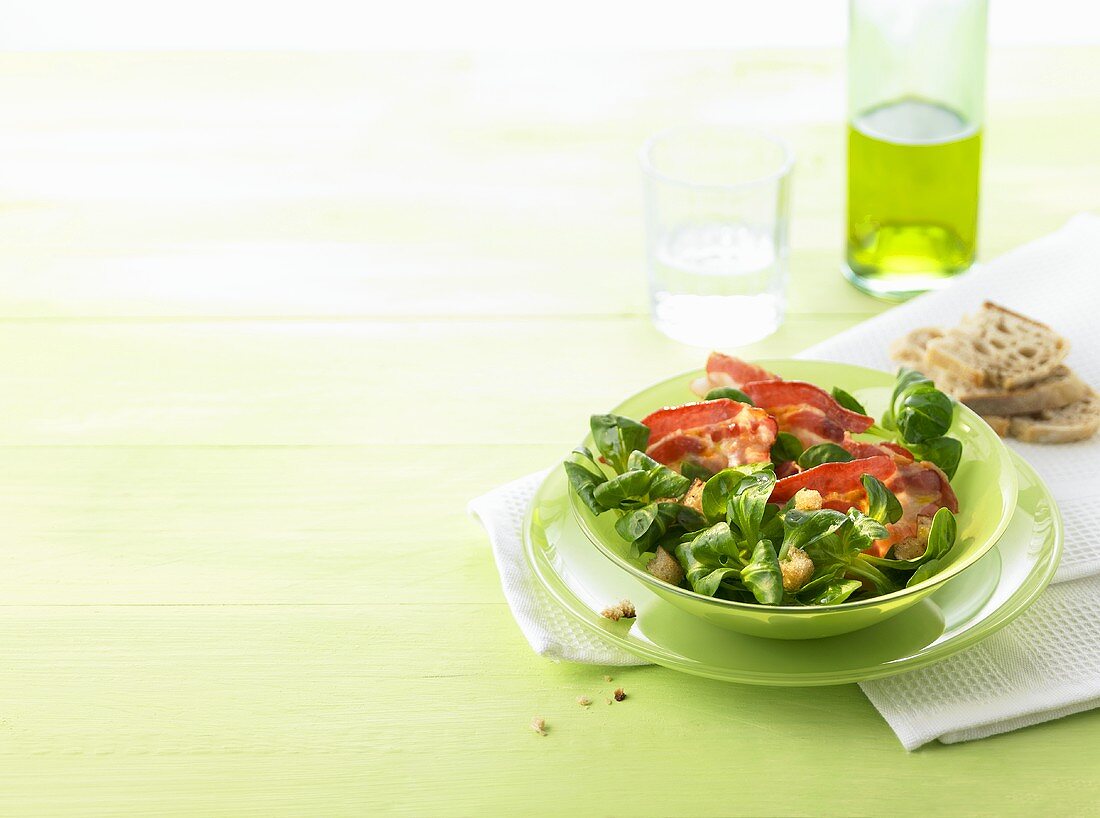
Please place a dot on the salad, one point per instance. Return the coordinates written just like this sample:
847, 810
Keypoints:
763, 493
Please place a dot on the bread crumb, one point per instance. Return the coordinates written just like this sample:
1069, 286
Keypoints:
619, 694
538, 724
584, 701
620, 610
607, 678
807, 500
609, 701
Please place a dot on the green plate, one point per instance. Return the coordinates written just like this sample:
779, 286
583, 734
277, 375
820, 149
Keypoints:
985, 483
989, 595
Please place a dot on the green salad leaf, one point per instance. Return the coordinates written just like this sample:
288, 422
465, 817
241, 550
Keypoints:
718, 488
925, 571
921, 417
627, 490
801, 528
616, 437
786, 447
762, 576
925, 413
644, 527
822, 578
945, 452
834, 592
664, 482
846, 400
708, 558
882, 504
823, 453
835, 542
693, 471
745, 509
729, 392
942, 534
585, 483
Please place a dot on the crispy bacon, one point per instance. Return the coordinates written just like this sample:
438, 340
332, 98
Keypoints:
725, 370
837, 483
922, 489
920, 486
806, 411
713, 434
813, 416
786, 469
690, 416
864, 448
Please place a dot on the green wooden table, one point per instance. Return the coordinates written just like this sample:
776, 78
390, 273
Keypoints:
271, 320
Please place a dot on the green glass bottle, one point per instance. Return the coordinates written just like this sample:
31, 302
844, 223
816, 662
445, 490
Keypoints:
916, 86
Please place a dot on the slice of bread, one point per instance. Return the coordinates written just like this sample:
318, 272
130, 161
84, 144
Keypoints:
1078, 421
999, 423
997, 347
1061, 388
908, 350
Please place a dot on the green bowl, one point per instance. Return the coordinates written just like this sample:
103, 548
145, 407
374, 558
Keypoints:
985, 484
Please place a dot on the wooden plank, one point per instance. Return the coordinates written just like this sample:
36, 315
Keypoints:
359, 710
167, 525
309, 383
291, 185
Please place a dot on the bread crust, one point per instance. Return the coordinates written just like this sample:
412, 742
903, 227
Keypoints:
984, 350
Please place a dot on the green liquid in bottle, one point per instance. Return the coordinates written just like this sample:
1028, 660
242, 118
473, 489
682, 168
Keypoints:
913, 170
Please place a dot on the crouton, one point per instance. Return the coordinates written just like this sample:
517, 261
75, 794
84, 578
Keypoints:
620, 610
910, 548
924, 526
797, 567
694, 497
807, 500
666, 567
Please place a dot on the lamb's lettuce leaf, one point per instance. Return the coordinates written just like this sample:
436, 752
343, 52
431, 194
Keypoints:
762, 575
823, 453
616, 437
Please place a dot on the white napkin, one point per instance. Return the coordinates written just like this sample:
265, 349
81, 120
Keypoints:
1043, 666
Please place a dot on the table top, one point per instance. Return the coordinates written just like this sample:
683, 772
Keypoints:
269, 321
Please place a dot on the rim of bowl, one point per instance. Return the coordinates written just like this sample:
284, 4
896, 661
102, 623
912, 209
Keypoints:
937, 579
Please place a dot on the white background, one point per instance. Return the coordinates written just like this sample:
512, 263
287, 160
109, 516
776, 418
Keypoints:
522, 24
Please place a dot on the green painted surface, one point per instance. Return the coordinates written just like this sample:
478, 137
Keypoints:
269, 321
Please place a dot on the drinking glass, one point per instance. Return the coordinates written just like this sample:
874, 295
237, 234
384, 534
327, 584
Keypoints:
916, 85
717, 201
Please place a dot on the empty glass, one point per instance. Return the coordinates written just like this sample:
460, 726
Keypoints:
717, 209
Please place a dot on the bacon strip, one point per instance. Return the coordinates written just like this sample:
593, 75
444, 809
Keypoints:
922, 489
725, 370
690, 416
863, 448
808, 412
714, 435
920, 486
837, 483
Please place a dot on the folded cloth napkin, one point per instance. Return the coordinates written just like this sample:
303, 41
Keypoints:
1043, 666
